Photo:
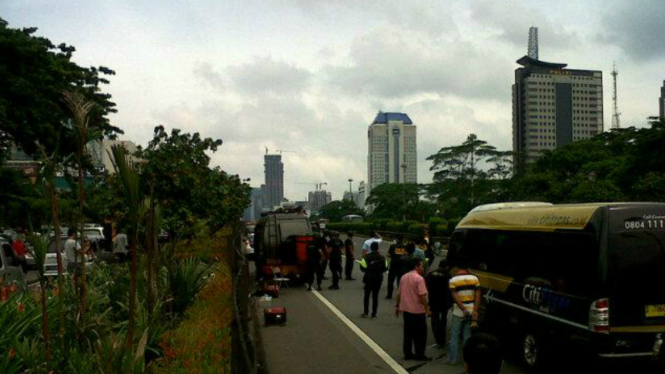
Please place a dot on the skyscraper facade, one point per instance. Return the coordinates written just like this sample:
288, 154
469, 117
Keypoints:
253, 211
392, 156
361, 195
318, 199
554, 106
274, 181
661, 102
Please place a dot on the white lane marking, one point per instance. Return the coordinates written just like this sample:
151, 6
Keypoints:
361, 334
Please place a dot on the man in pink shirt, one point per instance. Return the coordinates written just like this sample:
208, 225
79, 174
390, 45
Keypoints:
412, 303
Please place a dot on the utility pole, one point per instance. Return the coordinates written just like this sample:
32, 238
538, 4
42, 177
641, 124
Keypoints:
350, 190
404, 173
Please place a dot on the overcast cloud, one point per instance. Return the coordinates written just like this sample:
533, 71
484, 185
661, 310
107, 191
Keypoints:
307, 77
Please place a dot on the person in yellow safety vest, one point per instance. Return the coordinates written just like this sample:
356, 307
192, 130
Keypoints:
373, 265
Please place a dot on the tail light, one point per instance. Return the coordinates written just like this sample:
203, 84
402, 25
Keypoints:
599, 316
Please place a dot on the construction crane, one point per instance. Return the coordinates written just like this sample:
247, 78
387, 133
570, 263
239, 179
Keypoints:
284, 151
280, 151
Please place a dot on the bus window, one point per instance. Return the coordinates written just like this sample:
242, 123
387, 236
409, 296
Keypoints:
479, 249
575, 268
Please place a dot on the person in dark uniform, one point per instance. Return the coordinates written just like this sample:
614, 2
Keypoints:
349, 248
314, 257
405, 263
395, 253
373, 265
325, 249
335, 259
439, 300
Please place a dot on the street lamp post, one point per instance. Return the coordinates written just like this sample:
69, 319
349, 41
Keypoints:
404, 176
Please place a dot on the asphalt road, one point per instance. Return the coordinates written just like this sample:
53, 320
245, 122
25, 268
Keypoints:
315, 340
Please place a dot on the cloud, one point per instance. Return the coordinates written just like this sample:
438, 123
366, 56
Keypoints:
433, 17
636, 27
509, 21
206, 74
263, 75
392, 64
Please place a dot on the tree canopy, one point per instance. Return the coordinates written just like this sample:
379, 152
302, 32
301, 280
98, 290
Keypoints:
335, 210
34, 74
621, 165
468, 174
176, 168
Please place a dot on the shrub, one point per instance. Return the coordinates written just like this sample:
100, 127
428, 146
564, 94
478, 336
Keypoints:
202, 342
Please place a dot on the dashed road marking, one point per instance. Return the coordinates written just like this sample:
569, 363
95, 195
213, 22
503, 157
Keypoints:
361, 334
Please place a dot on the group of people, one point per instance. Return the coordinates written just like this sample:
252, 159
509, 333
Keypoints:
420, 294
326, 252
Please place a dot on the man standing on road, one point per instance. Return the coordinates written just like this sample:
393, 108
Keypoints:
349, 248
336, 245
395, 253
412, 303
375, 238
314, 256
325, 249
465, 291
72, 250
439, 301
120, 245
373, 265
405, 263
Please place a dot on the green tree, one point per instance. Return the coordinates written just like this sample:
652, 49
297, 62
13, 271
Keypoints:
461, 180
622, 164
80, 109
335, 210
398, 202
134, 199
33, 75
186, 188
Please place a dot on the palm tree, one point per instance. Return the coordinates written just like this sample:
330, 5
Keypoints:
80, 108
134, 201
40, 247
50, 165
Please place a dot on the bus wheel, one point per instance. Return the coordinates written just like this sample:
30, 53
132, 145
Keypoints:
532, 350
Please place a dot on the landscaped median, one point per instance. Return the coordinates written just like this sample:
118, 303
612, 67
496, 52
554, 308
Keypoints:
202, 342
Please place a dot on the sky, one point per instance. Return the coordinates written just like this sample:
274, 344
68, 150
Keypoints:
307, 77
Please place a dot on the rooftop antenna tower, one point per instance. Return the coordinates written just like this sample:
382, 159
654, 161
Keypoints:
533, 43
615, 114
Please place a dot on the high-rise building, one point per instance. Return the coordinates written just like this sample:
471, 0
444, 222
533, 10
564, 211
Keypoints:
361, 195
661, 102
100, 153
554, 106
317, 199
274, 181
253, 211
392, 156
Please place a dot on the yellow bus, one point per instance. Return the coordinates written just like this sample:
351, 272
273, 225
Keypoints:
559, 275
